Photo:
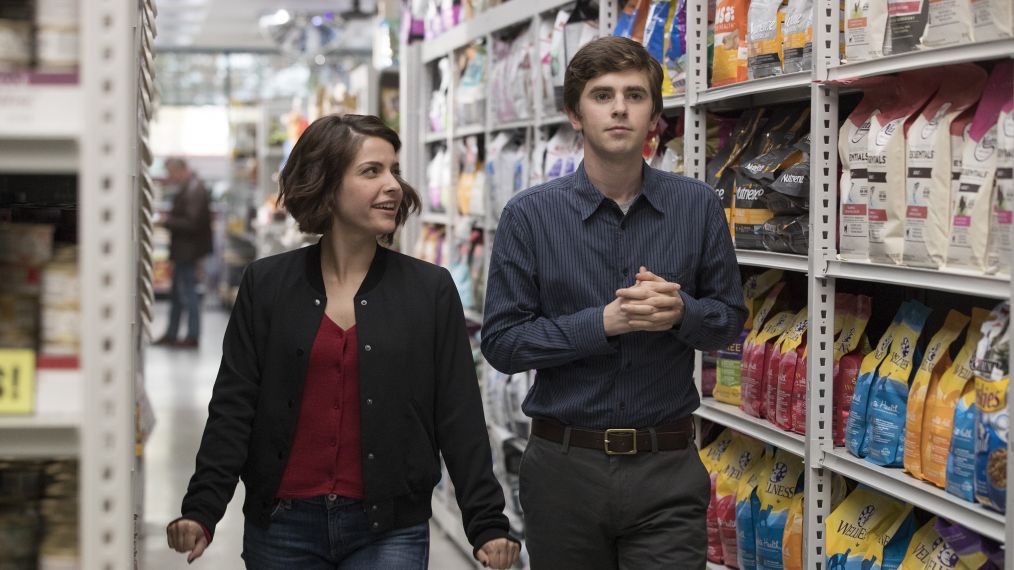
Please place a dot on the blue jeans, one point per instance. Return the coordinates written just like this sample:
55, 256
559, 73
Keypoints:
331, 532
184, 294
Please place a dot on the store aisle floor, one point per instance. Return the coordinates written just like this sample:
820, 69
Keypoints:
179, 385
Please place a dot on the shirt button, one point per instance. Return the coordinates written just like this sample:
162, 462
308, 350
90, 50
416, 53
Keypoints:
369, 402
363, 302
332, 497
373, 508
370, 457
316, 302
376, 525
626, 272
368, 348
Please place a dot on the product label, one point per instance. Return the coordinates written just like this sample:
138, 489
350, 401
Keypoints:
972, 203
927, 189
950, 23
855, 233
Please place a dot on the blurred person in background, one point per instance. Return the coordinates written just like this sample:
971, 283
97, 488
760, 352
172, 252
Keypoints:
189, 224
346, 372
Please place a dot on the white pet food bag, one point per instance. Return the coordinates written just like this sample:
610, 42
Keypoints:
865, 28
886, 163
928, 167
854, 243
999, 252
970, 207
950, 23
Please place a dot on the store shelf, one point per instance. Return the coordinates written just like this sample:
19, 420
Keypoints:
982, 51
448, 518
898, 484
512, 125
58, 156
433, 218
771, 260
943, 280
53, 430
673, 103
554, 120
733, 417
435, 138
504, 15
36, 106
755, 87
469, 131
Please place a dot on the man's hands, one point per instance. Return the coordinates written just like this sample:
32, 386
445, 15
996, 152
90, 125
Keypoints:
652, 304
187, 536
499, 553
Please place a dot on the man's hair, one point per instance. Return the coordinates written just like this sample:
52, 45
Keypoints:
310, 183
608, 55
175, 162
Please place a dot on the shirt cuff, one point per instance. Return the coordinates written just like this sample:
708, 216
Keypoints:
687, 330
588, 330
207, 533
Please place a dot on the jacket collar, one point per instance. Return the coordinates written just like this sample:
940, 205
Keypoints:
373, 275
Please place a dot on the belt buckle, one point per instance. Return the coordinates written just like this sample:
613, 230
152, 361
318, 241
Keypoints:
633, 436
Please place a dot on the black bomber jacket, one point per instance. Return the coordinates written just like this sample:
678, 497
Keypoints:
419, 395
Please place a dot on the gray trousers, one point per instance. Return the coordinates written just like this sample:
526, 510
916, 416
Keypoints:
585, 510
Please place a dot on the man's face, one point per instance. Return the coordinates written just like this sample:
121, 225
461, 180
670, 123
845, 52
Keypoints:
177, 174
616, 114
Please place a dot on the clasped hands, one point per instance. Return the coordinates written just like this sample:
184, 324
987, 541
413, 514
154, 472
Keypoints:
652, 304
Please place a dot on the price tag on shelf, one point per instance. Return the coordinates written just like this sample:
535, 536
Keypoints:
17, 382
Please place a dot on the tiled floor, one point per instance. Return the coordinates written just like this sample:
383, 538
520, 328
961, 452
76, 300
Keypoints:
179, 385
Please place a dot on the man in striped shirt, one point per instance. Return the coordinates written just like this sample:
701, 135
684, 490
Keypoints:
606, 281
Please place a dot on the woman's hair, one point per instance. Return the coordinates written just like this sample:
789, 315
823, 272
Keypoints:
310, 183
607, 55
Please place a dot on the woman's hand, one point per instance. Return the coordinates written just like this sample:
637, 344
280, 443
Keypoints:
186, 535
499, 553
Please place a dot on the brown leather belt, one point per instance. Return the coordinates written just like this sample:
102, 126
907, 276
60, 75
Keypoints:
619, 441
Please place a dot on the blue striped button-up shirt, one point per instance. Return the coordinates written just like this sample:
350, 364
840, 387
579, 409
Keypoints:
562, 249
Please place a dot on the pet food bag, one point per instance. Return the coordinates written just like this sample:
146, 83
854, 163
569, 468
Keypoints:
764, 39
906, 23
941, 400
886, 163
854, 149
730, 54
934, 363
755, 293
974, 551
747, 506
773, 368
775, 491
712, 456
861, 527
729, 370
929, 550
798, 36
992, 358
855, 427
970, 208
885, 429
792, 352
761, 351
950, 23
674, 62
848, 359
792, 541
865, 28
929, 162
844, 315
742, 455
991, 19
999, 252
961, 455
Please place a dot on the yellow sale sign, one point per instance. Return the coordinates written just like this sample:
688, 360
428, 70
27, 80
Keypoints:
17, 381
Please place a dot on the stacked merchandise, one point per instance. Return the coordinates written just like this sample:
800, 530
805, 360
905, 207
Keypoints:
468, 269
511, 82
433, 245
927, 170
877, 28
515, 166
38, 515
762, 177
561, 35
439, 111
439, 190
470, 96
914, 406
40, 36
661, 25
40, 296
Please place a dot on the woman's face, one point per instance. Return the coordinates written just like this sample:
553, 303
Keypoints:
370, 194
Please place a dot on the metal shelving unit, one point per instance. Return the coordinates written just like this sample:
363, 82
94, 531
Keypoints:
821, 266
92, 124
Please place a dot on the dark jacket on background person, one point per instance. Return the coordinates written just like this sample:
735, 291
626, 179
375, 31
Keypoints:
190, 222
419, 395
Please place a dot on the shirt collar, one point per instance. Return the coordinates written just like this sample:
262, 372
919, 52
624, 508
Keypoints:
591, 198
